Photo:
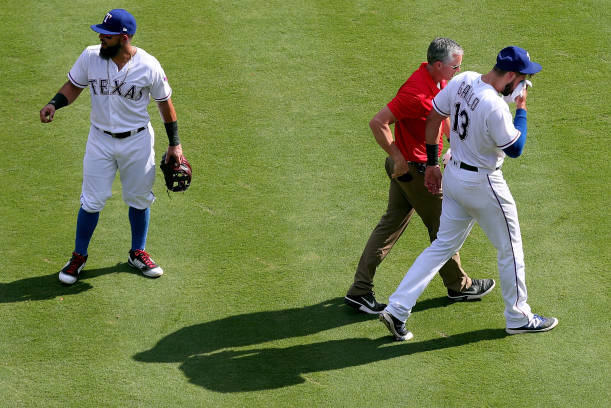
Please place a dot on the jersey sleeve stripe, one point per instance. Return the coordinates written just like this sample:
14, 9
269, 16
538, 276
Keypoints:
439, 110
76, 83
518, 133
165, 98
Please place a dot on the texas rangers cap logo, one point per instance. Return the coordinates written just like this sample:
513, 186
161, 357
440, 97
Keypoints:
516, 59
117, 21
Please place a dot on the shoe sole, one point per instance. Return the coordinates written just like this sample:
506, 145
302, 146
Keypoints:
387, 320
524, 331
360, 307
148, 273
67, 279
473, 297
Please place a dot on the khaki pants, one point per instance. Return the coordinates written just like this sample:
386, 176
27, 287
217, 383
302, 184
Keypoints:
403, 199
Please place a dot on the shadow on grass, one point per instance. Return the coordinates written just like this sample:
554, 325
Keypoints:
270, 368
49, 287
202, 349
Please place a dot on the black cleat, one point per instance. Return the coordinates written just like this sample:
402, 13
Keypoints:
395, 326
364, 303
71, 271
141, 260
479, 288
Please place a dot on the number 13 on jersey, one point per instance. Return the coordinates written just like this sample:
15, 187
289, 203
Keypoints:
460, 122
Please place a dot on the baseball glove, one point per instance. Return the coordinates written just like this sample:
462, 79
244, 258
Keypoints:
177, 177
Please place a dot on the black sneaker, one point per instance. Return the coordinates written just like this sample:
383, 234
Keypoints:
365, 303
536, 325
141, 260
479, 288
395, 326
70, 272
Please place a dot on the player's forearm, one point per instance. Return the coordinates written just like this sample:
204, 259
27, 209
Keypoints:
445, 128
70, 91
168, 115
431, 137
431, 130
65, 96
515, 150
167, 111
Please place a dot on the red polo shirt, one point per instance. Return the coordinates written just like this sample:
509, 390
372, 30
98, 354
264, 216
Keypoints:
411, 106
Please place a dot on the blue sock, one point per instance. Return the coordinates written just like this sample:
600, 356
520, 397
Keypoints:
85, 225
139, 221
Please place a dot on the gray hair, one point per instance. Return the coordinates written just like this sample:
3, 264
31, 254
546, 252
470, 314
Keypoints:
442, 49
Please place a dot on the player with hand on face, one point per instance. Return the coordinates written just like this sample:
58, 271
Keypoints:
121, 79
405, 168
474, 189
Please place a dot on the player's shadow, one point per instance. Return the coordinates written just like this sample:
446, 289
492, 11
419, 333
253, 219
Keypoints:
208, 357
256, 328
49, 287
270, 368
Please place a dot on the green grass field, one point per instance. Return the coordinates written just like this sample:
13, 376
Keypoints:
273, 100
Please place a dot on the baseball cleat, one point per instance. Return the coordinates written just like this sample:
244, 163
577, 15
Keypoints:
536, 325
364, 303
141, 260
478, 289
70, 272
395, 326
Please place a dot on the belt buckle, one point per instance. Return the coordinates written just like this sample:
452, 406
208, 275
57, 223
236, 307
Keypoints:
136, 131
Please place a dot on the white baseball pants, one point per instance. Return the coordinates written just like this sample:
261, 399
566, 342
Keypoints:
468, 197
133, 156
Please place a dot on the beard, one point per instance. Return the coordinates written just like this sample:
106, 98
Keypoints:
508, 89
110, 51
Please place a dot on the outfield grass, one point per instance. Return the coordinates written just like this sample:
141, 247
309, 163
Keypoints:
273, 100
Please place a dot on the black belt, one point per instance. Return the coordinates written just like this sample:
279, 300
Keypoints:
471, 168
123, 135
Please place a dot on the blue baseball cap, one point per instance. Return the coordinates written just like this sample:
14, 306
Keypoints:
516, 59
117, 21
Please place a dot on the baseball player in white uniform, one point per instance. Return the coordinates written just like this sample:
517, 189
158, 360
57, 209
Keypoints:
121, 79
482, 133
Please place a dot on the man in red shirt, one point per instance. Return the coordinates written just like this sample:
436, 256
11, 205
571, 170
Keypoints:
405, 167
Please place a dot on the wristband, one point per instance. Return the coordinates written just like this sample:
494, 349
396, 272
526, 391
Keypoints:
172, 131
59, 101
432, 155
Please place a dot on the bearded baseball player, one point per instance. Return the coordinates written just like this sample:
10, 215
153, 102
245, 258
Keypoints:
482, 133
121, 79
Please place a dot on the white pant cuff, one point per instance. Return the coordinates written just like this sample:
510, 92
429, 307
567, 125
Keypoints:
398, 311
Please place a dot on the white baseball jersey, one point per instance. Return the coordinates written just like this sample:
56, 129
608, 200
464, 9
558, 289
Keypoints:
119, 99
481, 124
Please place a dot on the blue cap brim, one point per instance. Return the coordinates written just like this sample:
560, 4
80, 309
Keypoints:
98, 29
532, 68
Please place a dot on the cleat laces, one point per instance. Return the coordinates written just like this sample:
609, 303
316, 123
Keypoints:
144, 257
75, 263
